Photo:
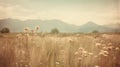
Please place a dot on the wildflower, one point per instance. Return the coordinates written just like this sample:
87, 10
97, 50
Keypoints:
105, 48
96, 66
70, 40
116, 48
57, 63
84, 52
101, 53
106, 52
26, 30
76, 53
81, 49
90, 53
98, 44
37, 28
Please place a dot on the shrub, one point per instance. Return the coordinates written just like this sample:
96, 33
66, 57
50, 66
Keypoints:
95, 31
55, 31
5, 30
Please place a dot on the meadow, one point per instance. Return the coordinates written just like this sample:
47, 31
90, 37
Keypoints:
59, 50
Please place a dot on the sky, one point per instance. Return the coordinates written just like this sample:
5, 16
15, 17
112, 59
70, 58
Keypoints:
70, 11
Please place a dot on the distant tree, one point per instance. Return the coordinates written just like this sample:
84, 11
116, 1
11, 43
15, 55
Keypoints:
55, 31
95, 31
5, 30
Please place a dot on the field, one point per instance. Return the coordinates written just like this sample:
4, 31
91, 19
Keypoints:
59, 50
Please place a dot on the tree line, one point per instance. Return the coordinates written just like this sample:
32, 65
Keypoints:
53, 31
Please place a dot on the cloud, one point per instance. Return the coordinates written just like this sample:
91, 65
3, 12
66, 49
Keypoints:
74, 13
15, 11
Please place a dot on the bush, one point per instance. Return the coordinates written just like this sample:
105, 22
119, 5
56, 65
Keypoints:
55, 31
5, 30
95, 31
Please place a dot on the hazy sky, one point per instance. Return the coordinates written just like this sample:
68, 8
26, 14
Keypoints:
71, 11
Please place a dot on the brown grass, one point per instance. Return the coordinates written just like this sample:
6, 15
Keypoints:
59, 50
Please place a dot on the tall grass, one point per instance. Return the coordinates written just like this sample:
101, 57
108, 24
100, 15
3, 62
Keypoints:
29, 49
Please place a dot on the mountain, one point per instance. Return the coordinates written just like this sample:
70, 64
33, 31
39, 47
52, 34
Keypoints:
91, 26
115, 26
46, 25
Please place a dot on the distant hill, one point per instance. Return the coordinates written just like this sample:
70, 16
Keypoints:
46, 26
115, 27
91, 26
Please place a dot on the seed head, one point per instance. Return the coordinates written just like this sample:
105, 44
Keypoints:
76, 53
98, 44
26, 29
96, 66
90, 53
116, 48
37, 28
57, 63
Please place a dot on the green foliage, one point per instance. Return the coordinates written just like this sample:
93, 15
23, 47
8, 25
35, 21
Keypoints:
5, 30
95, 31
55, 31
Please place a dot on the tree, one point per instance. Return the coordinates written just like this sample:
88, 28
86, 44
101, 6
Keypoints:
5, 30
55, 31
95, 31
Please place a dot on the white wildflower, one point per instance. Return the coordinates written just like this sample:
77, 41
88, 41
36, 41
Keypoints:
70, 40
76, 53
81, 49
105, 48
117, 48
90, 53
57, 63
98, 44
27, 29
106, 52
96, 66
85, 52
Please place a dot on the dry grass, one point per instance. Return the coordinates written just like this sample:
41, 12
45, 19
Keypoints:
58, 50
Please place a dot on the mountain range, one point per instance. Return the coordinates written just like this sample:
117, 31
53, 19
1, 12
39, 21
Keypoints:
16, 25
